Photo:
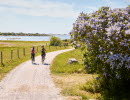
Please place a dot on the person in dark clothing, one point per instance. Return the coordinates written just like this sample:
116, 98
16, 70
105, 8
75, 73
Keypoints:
43, 54
33, 55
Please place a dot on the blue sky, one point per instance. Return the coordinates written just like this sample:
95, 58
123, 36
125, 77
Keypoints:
48, 16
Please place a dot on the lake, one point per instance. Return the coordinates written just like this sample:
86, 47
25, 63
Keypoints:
33, 38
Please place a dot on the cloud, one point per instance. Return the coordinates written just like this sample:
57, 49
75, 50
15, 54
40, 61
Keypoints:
127, 0
38, 8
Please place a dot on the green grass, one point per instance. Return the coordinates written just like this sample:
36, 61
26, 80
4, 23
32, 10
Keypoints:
60, 63
6, 43
92, 86
77, 90
9, 64
73, 80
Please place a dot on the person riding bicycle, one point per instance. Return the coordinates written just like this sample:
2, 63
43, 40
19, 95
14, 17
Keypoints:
33, 54
43, 54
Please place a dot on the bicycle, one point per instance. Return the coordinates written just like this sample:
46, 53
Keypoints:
43, 58
33, 58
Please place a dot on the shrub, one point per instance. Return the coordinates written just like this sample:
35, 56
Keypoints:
55, 41
105, 34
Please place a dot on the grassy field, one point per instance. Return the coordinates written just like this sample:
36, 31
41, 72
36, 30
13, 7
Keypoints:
60, 63
16, 52
4, 43
73, 80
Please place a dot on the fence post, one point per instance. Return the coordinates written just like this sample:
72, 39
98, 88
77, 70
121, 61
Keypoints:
1, 58
37, 48
24, 51
65, 45
11, 54
46, 44
18, 52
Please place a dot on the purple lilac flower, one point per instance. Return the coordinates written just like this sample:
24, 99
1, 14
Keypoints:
97, 78
105, 74
117, 76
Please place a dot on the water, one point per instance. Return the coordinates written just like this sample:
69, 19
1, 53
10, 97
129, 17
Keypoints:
33, 38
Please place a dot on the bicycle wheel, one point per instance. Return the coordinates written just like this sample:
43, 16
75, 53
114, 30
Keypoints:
43, 58
32, 58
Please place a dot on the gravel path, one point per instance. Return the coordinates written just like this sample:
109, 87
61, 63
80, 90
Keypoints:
31, 81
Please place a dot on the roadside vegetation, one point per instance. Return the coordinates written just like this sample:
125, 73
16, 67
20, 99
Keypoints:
73, 80
55, 41
16, 52
105, 35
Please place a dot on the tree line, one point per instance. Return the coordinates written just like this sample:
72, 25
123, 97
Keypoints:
22, 34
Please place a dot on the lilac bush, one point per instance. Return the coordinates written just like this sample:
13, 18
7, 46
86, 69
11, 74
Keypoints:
105, 34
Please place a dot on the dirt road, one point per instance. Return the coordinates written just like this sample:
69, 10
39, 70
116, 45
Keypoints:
31, 81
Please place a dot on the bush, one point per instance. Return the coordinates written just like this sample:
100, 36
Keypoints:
55, 41
106, 34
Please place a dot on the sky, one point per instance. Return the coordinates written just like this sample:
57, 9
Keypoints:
48, 16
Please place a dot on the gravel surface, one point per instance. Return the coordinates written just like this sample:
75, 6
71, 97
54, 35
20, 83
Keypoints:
31, 81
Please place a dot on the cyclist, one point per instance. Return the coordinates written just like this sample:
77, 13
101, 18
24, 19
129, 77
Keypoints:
43, 54
33, 54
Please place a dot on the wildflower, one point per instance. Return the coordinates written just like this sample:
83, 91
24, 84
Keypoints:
105, 74
97, 78
103, 69
117, 76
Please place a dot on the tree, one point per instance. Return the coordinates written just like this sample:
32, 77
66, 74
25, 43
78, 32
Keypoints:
55, 41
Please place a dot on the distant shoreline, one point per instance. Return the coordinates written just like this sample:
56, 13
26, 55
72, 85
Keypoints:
18, 34
25, 35
28, 34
